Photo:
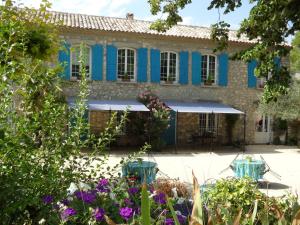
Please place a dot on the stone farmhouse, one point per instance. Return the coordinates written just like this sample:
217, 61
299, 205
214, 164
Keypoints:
126, 58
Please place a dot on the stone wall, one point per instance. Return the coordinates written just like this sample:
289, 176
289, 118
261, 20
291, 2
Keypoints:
98, 121
187, 124
236, 94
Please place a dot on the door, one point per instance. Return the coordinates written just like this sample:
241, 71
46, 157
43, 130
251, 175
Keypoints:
169, 136
263, 129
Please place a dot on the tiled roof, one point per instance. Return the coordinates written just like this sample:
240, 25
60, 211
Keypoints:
102, 23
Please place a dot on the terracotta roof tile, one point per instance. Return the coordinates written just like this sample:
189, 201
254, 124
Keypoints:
133, 26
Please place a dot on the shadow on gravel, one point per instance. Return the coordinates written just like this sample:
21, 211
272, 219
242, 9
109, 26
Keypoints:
272, 185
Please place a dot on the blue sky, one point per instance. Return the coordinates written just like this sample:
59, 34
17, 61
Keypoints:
194, 14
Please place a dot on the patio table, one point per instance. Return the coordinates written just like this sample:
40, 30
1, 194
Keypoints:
141, 170
254, 169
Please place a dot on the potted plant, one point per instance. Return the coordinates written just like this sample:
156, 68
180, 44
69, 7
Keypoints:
126, 77
209, 80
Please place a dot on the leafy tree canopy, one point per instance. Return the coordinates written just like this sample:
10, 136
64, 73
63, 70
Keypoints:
287, 107
295, 54
268, 24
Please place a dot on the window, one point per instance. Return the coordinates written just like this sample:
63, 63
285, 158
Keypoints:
261, 81
168, 66
209, 69
207, 123
75, 62
126, 64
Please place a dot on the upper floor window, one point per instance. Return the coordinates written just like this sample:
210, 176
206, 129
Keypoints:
126, 64
209, 69
75, 61
168, 66
261, 81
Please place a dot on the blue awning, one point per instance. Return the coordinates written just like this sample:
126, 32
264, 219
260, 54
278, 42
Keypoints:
202, 107
114, 105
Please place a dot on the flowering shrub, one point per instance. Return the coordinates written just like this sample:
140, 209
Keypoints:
110, 199
156, 123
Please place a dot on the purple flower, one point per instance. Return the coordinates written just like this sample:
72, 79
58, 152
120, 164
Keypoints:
102, 186
126, 213
66, 202
160, 198
169, 221
47, 199
133, 190
67, 213
99, 214
86, 196
181, 219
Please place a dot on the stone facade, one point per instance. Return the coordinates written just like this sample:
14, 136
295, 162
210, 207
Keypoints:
236, 93
98, 121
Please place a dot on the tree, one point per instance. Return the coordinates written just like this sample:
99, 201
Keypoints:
269, 23
287, 107
295, 54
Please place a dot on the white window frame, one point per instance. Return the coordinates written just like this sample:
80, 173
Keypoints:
207, 69
134, 65
168, 66
261, 81
89, 75
207, 128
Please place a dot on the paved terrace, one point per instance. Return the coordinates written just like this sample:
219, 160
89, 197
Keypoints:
284, 160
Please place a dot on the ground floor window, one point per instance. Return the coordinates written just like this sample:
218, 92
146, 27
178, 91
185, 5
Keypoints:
207, 123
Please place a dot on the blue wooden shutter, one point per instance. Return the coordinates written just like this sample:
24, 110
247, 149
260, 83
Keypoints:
64, 60
251, 75
155, 65
142, 62
97, 62
183, 67
277, 62
111, 61
223, 69
196, 68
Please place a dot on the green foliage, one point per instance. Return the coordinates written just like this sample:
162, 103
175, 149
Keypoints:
228, 197
219, 33
174, 216
145, 206
169, 7
40, 147
157, 122
269, 23
287, 107
295, 54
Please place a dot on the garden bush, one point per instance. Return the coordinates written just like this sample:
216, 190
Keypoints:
40, 145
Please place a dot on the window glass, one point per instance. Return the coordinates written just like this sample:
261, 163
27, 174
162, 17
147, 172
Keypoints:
126, 64
207, 123
208, 69
168, 66
75, 64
